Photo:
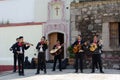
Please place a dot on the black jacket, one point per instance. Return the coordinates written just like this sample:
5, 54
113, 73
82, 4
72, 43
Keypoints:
24, 47
44, 46
14, 47
76, 42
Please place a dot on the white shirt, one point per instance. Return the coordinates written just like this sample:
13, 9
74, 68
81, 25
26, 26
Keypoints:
41, 49
21, 50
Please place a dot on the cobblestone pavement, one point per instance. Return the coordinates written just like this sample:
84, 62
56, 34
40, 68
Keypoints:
67, 74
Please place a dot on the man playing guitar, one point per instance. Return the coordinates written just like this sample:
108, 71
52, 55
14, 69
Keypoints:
57, 56
78, 54
96, 54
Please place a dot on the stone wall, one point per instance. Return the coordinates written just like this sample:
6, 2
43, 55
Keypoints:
111, 59
88, 18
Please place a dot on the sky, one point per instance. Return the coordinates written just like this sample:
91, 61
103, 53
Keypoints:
16, 11
19, 11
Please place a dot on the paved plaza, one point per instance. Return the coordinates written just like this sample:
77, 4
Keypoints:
68, 74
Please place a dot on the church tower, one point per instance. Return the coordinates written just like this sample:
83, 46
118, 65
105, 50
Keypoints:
56, 27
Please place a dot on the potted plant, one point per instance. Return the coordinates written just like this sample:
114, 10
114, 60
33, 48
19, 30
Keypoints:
71, 59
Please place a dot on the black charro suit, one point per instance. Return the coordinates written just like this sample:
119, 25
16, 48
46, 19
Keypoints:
78, 57
96, 58
21, 50
41, 57
58, 57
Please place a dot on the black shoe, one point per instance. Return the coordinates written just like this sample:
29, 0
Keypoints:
60, 70
92, 72
45, 72
81, 71
19, 74
76, 71
37, 73
14, 71
101, 72
53, 70
22, 74
41, 69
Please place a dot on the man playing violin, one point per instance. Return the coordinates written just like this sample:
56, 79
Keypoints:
41, 48
79, 54
57, 56
21, 47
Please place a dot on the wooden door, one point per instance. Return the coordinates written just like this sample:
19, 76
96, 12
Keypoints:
52, 42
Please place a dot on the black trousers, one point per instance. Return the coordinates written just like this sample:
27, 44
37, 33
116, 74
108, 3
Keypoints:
79, 61
96, 60
41, 62
57, 57
15, 57
21, 63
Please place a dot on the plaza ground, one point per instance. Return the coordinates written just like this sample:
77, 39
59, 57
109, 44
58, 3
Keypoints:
67, 74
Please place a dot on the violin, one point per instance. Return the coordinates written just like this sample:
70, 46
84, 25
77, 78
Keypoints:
44, 42
27, 43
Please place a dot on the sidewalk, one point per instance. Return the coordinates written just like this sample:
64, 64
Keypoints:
67, 74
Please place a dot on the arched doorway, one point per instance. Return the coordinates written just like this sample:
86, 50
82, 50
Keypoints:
53, 37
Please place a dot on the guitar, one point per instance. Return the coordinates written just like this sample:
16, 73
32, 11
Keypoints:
77, 48
93, 47
56, 50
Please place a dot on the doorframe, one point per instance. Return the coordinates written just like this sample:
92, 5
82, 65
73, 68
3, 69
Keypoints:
65, 45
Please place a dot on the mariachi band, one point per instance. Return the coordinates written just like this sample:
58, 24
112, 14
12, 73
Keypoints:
79, 47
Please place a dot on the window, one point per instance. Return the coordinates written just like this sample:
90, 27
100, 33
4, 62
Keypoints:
119, 34
114, 35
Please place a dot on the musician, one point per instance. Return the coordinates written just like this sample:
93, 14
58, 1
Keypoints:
96, 55
21, 47
58, 56
41, 47
15, 56
79, 55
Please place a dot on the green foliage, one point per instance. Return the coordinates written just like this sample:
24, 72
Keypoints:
71, 54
